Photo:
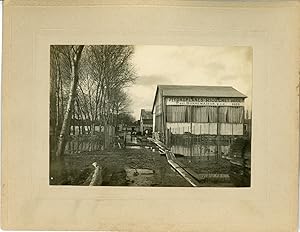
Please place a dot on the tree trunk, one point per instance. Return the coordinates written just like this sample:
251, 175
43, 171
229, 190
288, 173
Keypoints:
53, 112
62, 104
73, 120
58, 80
67, 118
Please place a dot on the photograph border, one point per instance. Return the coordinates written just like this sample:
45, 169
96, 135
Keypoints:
26, 46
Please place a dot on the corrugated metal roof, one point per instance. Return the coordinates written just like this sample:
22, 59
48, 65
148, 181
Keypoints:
199, 91
146, 114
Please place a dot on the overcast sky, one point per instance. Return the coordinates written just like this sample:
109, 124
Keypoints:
189, 65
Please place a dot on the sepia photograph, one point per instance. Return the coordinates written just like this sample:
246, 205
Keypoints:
150, 115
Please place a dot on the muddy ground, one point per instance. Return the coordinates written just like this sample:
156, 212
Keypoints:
136, 166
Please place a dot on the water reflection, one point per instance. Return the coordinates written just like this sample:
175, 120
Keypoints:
202, 147
199, 150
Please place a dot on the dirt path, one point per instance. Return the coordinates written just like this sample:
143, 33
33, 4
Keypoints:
121, 167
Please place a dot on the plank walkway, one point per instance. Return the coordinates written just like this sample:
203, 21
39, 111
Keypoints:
188, 175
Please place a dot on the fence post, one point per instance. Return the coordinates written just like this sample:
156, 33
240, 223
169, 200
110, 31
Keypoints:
106, 136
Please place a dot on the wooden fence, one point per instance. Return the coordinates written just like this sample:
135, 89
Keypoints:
77, 144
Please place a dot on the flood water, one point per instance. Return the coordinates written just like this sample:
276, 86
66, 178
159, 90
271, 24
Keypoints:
199, 150
205, 158
205, 147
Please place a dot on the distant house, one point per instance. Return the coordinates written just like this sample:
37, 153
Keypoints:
137, 126
146, 121
198, 110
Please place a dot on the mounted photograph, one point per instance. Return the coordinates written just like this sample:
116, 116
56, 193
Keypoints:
150, 115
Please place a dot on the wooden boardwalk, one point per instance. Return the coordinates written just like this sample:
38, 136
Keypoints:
186, 173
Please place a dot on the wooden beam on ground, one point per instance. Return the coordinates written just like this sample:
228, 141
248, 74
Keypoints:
174, 163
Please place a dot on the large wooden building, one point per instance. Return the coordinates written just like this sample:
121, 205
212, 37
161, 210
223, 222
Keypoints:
197, 110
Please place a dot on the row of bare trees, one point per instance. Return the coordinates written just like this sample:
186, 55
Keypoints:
87, 88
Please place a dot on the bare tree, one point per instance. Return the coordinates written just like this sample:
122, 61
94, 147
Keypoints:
89, 94
53, 100
75, 55
107, 71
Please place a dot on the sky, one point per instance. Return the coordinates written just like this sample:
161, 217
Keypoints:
189, 65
